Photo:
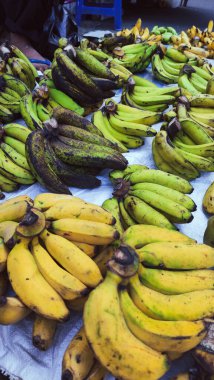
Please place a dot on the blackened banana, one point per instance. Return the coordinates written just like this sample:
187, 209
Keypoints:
65, 116
104, 84
87, 157
40, 167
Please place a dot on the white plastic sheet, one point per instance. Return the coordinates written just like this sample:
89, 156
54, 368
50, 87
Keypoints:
18, 357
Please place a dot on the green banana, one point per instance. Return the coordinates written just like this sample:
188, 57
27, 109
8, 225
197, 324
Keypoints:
176, 55
202, 100
159, 162
22, 71
42, 112
184, 82
28, 114
126, 218
14, 172
19, 146
16, 157
7, 185
65, 101
19, 132
18, 53
7, 80
129, 128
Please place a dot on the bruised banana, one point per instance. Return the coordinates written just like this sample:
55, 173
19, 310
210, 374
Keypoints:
177, 255
12, 310
30, 286
43, 332
178, 336
68, 286
78, 358
70, 257
182, 307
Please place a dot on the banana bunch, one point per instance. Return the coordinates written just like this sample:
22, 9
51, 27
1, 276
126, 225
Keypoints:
47, 250
166, 33
144, 95
37, 107
143, 321
196, 80
14, 62
124, 125
151, 197
141, 34
134, 57
69, 151
197, 42
81, 76
12, 90
14, 168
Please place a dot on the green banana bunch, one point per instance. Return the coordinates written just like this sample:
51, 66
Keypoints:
194, 79
149, 196
166, 32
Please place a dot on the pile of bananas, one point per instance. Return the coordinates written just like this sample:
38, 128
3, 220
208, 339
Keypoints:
14, 62
14, 167
12, 90
195, 42
70, 151
208, 206
166, 33
185, 146
149, 196
147, 320
124, 125
144, 95
196, 80
47, 248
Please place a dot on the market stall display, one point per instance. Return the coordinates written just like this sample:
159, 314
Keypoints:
63, 256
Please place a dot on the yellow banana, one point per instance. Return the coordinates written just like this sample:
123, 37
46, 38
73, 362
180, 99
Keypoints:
68, 286
178, 336
176, 282
72, 259
3, 255
12, 310
208, 200
91, 250
90, 232
43, 332
80, 210
8, 233
116, 348
30, 286
14, 200
77, 304
3, 283
103, 257
182, 307
14, 212
78, 358
97, 372
139, 235
177, 255
44, 201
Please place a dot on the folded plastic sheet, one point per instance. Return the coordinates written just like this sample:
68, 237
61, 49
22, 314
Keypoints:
18, 357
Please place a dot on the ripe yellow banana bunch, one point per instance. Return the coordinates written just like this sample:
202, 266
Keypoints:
47, 248
202, 39
151, 197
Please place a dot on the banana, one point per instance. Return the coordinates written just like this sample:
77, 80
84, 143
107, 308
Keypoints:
103, 257
114, 175
19, 146
112, 206
79, 210
97, 372
14, 212
170, 69
161, 178
210, 86
16, 199
92, 64
183, 167
170, 194
40, 167
185, 82
90, 232
22, 71
44, 201
159, 162
70, 257
202, 100
160, 73
5, 114
208, 233
129, 128
8, 185
42, 112
14, 172
150, 100
140, 235
139, 81
18, 53
68, 286
16, 157
204, 150
65, 101
28, 114
164, 204
78, 76
126, 218
176, 65
182, 307
78, 358
3, 256
177, 256
15, 84
139, 90
175, 336
30, 286
8, 233
176, 55
17, 131
3, 283
176, 282
145, 214
144, 117
43, 332
208, 199
201, 163
91, 250
132, 359
12, 310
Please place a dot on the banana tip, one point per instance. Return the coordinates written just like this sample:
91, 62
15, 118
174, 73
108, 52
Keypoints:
67, 375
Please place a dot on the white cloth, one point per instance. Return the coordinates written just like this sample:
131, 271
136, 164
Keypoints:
18, 357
